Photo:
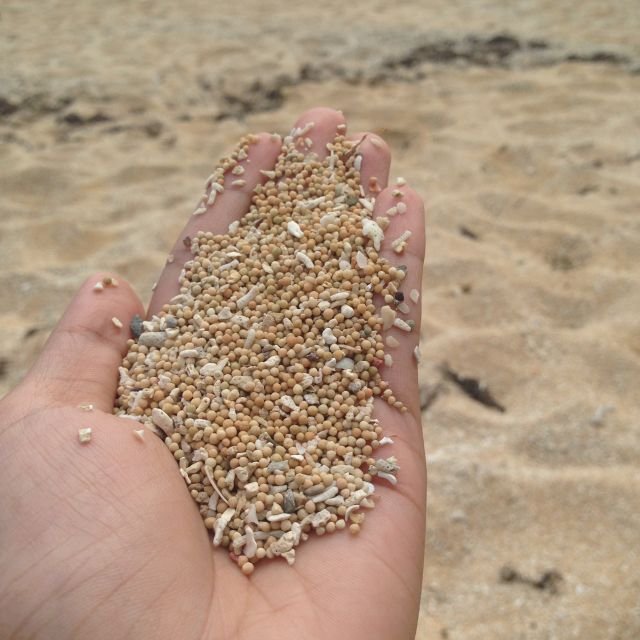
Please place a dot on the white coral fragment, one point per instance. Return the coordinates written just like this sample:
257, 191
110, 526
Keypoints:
250, 339
285, 546
250, 546
388, 465
328, 218
328, 337
244, 300
371, 230
162, 421
345, 363
287, 403
278, 517
252, 515
251, 489
214, 369
347, 311
221, 524
152, 338
388, 316
304, 259
294, 229
328, 493
366, 203
401, 324
190, 353
400, 242
388, 476
273, 361
320, 519
386, 469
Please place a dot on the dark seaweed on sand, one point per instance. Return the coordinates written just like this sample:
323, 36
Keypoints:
474, 388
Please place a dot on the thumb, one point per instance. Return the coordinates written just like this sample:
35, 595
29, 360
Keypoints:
79, 363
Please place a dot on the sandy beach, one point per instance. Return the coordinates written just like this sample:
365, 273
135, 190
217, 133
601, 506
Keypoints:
520, 128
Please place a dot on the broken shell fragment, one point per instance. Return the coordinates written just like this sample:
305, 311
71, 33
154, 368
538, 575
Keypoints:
328, 337
304, 259
347, 311
152, 338
221, 525
401, 324
371, 230
294, 229
388, 316
162, 421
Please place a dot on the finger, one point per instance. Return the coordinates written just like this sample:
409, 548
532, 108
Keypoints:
80, 361
375, 162
316, 127
404, 211
226, 207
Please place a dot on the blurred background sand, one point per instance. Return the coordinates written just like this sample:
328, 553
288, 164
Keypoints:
518, 122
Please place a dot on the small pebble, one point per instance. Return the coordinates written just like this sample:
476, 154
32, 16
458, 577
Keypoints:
136, 326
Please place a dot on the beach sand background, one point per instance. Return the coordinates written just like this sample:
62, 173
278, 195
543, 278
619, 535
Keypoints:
519, 124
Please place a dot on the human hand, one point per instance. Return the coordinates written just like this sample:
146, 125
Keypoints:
104, 540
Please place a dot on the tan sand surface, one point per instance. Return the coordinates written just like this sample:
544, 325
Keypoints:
517, 121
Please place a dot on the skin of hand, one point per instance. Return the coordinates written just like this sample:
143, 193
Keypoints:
103, 540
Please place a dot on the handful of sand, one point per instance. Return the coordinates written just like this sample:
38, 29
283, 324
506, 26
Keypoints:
261, 374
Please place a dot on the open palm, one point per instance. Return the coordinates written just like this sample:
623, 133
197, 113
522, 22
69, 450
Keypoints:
104, 541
